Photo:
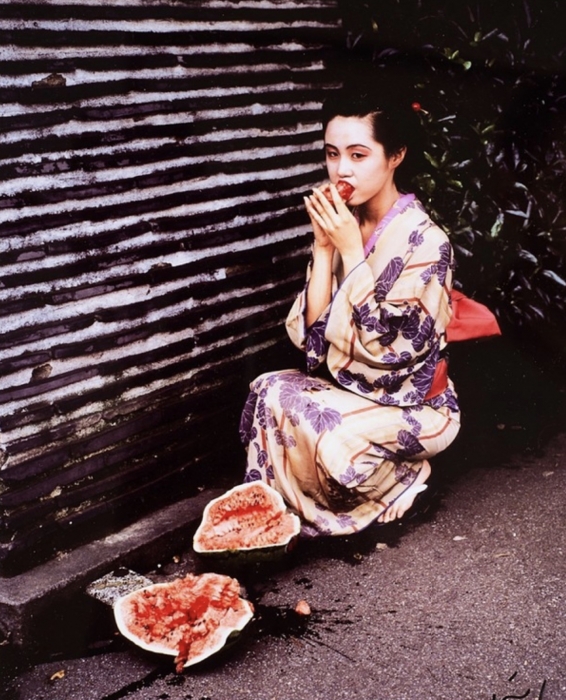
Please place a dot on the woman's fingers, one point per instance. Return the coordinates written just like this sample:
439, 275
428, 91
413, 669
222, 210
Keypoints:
339, 203
331, 199
324, 209
340, 227
317, 223
313, 212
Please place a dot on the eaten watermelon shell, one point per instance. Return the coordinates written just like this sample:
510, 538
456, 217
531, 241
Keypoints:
190, 618
250, 522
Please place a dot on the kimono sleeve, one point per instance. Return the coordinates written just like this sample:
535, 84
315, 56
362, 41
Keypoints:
393, 320
310, 339
295, 323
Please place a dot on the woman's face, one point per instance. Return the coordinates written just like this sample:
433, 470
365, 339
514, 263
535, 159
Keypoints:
352, 154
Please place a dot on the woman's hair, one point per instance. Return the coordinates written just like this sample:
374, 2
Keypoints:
396, 125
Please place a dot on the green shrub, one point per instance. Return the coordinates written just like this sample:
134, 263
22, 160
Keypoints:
490, 79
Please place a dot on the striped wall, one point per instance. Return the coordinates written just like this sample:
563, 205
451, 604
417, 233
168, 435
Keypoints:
153, 154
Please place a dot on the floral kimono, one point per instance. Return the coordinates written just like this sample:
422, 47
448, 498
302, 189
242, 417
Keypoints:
348, 437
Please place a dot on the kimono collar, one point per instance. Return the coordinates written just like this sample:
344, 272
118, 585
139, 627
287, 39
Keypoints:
397, 208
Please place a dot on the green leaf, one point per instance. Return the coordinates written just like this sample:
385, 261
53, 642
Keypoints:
517, 212
463, 251
432, 160
459, 166
529, 257
536, 311
497, 226
551, 275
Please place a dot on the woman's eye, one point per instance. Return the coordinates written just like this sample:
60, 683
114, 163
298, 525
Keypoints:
358, 156
331, 154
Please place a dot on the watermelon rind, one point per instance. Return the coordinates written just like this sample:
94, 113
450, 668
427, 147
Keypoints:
225, 636
254, 553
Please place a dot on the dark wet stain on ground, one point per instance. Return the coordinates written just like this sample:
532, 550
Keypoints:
279, 621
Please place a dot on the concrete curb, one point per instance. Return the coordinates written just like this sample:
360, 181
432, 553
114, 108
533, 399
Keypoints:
45, 591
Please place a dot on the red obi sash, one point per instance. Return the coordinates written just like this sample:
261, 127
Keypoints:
470, 320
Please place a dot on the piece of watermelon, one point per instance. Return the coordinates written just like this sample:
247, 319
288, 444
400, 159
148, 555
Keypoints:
251, 521
190, 618
345, 190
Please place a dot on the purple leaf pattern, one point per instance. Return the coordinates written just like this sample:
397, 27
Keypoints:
441, 266
266, 419
387, 278
252, 475
346, 520
322, 418
385, 453
410, 446
411, 397
247, 417
362, 318
411, 324
416, 239
387, 400
322, 526
399, 361
447, 398
404, 474
351, 476
391, 324
422, 378
316, 344
347, 379
416, 427
262, 456
390, 382
281, 438
445, 263
309, 531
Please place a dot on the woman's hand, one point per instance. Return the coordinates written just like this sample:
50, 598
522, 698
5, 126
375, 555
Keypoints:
321, 239
335, 225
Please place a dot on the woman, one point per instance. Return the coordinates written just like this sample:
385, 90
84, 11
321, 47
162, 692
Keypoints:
348, 442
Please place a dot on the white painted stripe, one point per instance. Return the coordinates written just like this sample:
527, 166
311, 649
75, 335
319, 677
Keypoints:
172, 73
98, 330
154, 26
141, 145
78, 178
13, 52
139, 348
205, 185
47, 314
169, 97
93, 409
89, 230
210, 4
74, 127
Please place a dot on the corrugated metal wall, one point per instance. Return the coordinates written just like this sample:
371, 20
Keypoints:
153, 157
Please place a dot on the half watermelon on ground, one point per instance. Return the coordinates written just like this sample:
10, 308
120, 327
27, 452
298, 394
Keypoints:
190, 618
250, 522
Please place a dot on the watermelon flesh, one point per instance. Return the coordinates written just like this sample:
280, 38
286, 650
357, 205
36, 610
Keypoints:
190, 618
251, 516
344, 189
